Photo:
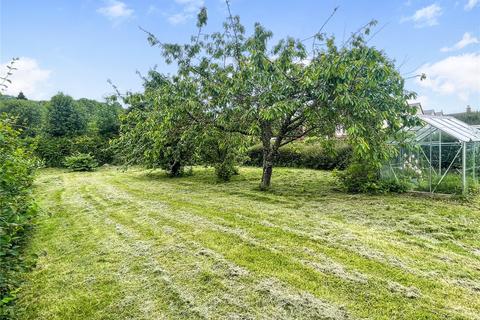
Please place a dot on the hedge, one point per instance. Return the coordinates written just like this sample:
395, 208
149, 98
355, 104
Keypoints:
54, 150
16, 209
306, 155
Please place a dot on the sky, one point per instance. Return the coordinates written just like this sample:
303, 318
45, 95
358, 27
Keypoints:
75, 46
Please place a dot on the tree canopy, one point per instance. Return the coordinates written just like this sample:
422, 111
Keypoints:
26, 115
63, 118
237, 83
21, 96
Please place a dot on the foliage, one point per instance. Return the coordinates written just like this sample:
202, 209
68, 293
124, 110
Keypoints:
60, 127
159, 131
28, 115
98, 146
472, 118
221, 151
17, 167
54, 150
362, 177
400, 185
81, 162
102, 118
240, 83
21, 96
225, 170
154, 136
107, 121
306, 155
452, 183
5, 79
63, 119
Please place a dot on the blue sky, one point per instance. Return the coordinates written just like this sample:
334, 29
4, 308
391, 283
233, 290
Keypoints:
74, 46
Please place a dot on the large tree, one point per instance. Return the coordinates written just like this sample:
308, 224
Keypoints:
63, 118
280, 93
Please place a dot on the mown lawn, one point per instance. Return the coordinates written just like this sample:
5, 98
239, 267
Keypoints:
140, 245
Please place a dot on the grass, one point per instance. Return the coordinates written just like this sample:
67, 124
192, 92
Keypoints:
140, 245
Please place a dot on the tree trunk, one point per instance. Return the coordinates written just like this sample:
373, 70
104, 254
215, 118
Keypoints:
268, 156
267, 174
176, 169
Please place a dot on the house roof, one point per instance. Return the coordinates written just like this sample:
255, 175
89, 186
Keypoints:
450, 125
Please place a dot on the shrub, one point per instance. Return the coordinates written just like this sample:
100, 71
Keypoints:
81, 162
28, 115
306, 155
362, 177
225, 171
223, 151
96, 145
54, 150
399, 185
359, 177
17, 167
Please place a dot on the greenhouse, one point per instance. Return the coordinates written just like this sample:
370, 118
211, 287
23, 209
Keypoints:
443, 156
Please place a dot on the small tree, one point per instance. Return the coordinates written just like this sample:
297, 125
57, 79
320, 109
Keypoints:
154, 131
21, 96
81, 162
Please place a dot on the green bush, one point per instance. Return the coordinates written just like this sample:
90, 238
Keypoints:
17, 168
399, 185
306, 155
96, 145
54, 150
225, 170
363, 178
81, 162
28, 115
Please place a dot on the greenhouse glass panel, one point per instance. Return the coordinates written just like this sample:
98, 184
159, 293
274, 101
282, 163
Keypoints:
443, 156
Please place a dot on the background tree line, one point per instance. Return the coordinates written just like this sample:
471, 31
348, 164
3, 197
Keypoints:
62, 126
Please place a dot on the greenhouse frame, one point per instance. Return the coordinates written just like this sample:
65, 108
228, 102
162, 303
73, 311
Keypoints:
443, 156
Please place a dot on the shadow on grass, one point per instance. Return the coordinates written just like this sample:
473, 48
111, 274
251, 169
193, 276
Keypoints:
289, 185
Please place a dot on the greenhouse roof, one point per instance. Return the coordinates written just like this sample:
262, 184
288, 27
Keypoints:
448, 124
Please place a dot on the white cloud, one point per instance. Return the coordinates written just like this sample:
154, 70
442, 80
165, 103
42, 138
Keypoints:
115, 10
455, 75
28, 78
466, 40
425, 17
178, 18
190, 5
471, 4
189, 9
